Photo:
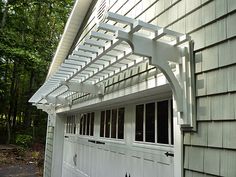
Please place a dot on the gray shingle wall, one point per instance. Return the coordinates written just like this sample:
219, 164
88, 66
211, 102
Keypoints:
48, 152
211, 150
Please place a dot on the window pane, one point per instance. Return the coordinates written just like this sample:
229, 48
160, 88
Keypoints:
74, 125
84, 124
150, 123
162, 122
81, 125
121, 115
88, 123
108, 122
139, 123
102, 124
67, 124
68, 118
92, 124
114, 120
172, 122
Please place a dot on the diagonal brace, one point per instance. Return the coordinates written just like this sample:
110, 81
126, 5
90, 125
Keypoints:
182, 82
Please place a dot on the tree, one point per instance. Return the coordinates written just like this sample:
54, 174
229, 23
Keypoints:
29, 34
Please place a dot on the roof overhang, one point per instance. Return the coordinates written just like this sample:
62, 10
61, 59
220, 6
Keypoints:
72, 27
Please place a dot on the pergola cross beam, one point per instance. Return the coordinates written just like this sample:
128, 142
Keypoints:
84, 88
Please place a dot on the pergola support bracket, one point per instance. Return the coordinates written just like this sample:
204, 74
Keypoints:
181, 81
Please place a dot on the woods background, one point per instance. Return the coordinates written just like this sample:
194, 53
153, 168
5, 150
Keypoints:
29, 33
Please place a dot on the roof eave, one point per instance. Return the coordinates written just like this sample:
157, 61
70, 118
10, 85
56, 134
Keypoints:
72, 27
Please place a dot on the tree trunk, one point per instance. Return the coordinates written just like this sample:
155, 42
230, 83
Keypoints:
8, 132
15, 109
27, 110
4, 17
12, 90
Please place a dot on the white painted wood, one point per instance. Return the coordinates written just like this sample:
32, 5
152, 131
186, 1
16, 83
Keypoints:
118, 158
178, 144
149, 167
58, 147
84, 87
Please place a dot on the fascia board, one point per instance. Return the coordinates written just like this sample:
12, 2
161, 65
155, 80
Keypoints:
74, 21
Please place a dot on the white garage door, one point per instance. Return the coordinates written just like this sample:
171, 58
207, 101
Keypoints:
130, 141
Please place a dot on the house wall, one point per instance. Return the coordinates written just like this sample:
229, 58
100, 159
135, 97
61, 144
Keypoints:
211, 150
48, 152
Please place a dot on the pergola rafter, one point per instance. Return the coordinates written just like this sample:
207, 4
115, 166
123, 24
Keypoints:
111, 49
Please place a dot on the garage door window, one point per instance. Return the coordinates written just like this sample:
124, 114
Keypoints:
112, 123
87, 124
70, 124
154, 122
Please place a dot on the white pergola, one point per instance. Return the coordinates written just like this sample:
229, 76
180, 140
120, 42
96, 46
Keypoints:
118, 44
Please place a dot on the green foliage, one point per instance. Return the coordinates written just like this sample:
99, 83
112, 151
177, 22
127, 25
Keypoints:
24, 140
29, 34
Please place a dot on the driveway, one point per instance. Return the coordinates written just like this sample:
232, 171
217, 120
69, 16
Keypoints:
28, 170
